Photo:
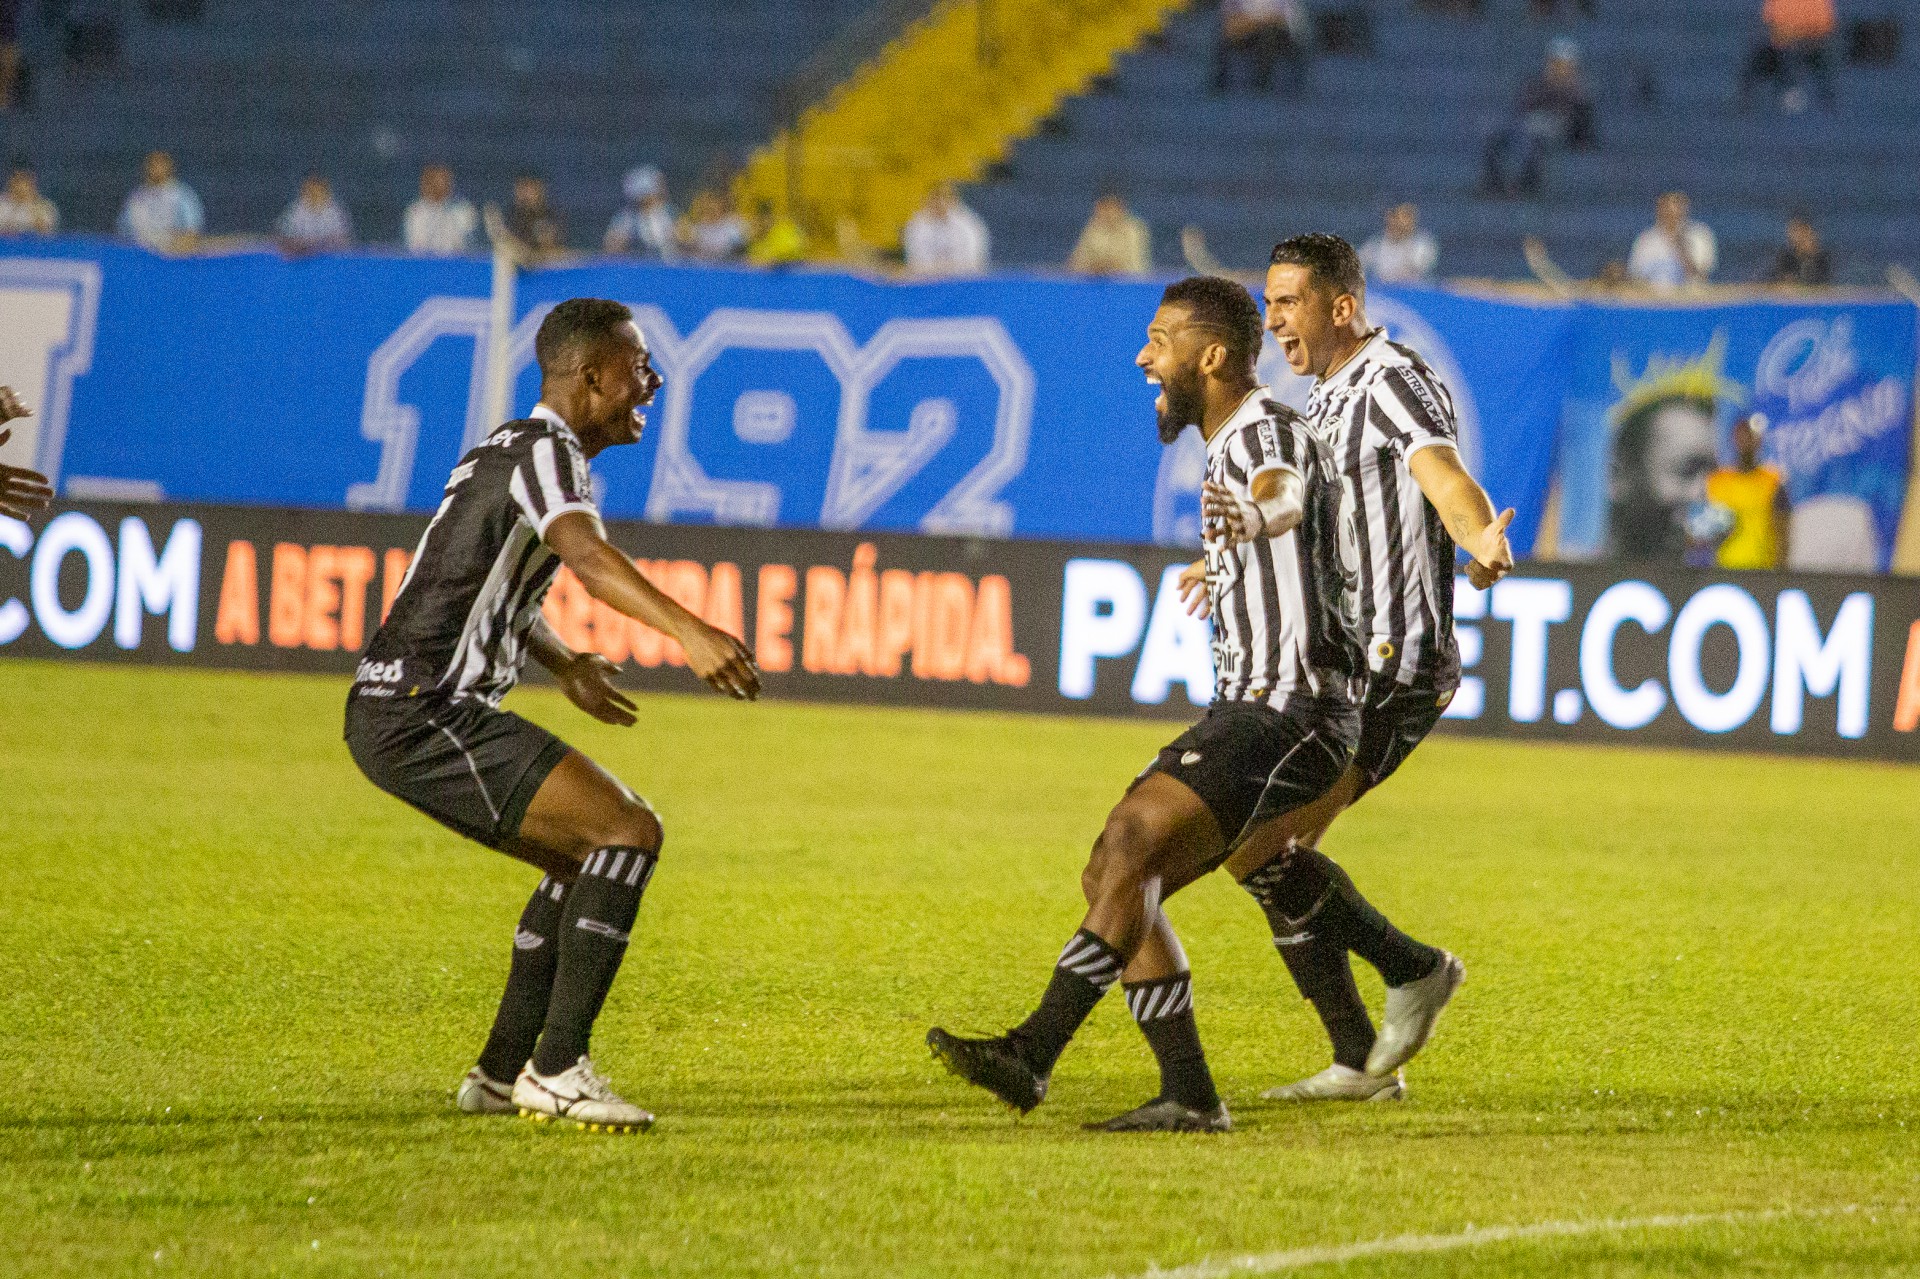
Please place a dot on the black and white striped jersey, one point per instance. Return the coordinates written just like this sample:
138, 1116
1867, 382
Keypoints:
1375, 412
1284, 616
472, 594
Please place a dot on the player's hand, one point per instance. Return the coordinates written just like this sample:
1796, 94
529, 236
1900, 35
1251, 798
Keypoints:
1234, 516
1492, 557
1193, 590
587, 681
11, 407
723, 662
22, 492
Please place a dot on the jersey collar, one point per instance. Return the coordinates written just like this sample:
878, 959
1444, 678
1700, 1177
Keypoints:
1251, 410
546, 414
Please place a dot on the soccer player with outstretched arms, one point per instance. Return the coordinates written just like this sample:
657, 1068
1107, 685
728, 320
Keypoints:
424, 721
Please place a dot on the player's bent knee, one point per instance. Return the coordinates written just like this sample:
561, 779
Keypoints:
636, 826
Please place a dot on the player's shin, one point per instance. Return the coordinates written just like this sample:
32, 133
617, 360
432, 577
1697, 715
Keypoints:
1324, 976
1086, 970
523, 1008
1312, 894
1163, 1009
596, 920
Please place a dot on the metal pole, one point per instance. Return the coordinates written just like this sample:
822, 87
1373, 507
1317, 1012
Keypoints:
500, 339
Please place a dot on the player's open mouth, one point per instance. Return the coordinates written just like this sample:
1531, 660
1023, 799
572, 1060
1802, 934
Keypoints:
1288, 345
1160, 400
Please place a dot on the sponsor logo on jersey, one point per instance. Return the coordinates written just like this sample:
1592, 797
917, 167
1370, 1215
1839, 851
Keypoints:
372, 672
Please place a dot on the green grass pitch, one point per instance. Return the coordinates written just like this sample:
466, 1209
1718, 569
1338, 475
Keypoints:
238, 986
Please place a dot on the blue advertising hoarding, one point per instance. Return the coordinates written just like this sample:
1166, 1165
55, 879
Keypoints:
1002, 407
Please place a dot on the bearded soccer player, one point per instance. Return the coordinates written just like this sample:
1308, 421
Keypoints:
425, 725
1389, 421
1287, 661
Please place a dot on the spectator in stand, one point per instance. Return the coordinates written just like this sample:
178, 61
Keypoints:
439, 224
712, 232
1797, 35
314, 222
1262, 33
1554, 109
777, 238
531, 228
1114, 241
1802, 261
163, 214
644, 228
1753, 504
1675, 252
23, 210
9, 51
1402, 253
945, 237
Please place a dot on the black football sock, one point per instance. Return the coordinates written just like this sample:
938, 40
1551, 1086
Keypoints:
1085, 971
523, 1008
1315, 895
1163, 1008
595, 921
1320, 968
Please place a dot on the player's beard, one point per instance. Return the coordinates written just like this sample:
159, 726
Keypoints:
1183, 407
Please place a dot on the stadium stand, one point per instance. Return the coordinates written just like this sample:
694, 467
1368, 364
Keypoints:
366, 92
1409, 122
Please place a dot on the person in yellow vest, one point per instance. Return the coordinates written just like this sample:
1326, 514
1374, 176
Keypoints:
1755, 494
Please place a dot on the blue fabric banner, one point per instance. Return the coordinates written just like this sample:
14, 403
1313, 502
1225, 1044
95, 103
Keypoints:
1654, 391
1002, 407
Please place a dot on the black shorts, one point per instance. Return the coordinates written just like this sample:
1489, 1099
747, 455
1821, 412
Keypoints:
468, 766
1394, 719
1248, 757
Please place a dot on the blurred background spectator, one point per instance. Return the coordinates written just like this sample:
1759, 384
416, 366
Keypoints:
314, 222
439, 223
1114, 241
23, 210
1753, 502
712, 232
945, 237
1260, 34
777, 238
1554, 109
644, 227
1675, 251
1802, 261
1796, 42
1402, 253
162, 213
9, 51
532, 226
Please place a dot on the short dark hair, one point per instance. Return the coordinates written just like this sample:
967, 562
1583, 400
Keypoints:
1220, 303
1328, 258
574, 326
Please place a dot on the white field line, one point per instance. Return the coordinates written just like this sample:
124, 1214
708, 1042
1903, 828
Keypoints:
1401, 1245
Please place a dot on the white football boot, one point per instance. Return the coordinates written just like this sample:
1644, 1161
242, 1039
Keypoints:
482, 1094
1341, 1083
1411, 1011
578, 1095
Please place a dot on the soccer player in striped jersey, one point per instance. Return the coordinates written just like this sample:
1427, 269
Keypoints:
424, 721
1288, 664
1389, 420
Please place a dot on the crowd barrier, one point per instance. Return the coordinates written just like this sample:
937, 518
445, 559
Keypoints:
992, 408
1818, 664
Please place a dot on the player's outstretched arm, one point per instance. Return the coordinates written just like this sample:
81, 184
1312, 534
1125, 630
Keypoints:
1466, 511
586, 678
22, 492
610, 577
1273, 505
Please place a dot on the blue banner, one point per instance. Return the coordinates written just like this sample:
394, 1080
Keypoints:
1002, 407
1654, 392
